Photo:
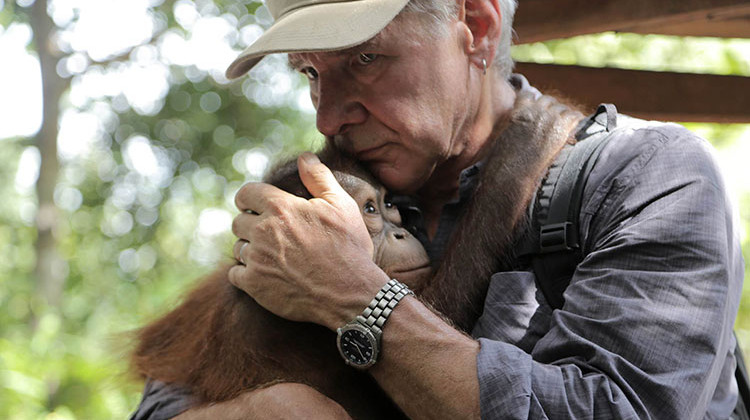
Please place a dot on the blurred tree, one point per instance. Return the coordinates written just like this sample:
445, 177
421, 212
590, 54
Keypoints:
49, 277
135, 187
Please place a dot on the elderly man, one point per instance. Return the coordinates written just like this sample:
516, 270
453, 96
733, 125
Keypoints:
417, 90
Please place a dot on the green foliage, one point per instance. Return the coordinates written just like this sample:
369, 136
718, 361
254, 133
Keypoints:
643, 52
129, 231
132, 235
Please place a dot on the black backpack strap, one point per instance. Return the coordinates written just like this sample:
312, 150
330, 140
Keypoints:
554, 247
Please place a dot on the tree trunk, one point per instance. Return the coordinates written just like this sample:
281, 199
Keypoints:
49, 270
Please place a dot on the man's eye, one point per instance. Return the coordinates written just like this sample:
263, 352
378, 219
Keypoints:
388, 204
366, 58
370, 208
310, 72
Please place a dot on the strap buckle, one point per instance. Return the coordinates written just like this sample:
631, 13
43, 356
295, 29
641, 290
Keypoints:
557, 237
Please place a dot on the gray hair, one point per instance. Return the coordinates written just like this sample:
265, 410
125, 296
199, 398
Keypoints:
439, 12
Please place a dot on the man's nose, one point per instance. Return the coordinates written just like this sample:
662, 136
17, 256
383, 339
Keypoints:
338, 107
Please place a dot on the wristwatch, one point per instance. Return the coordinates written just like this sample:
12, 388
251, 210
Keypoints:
359, 340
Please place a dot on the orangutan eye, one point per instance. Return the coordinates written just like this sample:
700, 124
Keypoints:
310, 72
366, 58
370, 208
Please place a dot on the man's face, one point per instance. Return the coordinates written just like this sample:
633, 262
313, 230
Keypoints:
397, 102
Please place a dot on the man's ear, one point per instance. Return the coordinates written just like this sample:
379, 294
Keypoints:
483, 21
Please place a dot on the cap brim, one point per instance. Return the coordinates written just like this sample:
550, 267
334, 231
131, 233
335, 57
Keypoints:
319, 27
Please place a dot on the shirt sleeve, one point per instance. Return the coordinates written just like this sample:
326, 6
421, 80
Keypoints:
162, 401
646, 329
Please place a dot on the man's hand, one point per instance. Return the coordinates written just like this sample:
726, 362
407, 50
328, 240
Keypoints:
305, 260
541, 117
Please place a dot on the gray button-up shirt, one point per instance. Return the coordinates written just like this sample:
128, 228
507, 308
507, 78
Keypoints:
646, 329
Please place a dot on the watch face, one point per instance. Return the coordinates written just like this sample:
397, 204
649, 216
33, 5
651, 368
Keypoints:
357, 345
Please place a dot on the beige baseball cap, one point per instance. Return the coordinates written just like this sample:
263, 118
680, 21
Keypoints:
317, 25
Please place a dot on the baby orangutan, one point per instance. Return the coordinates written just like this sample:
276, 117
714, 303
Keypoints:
219, 342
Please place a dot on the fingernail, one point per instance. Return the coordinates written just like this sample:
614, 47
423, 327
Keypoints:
310, 158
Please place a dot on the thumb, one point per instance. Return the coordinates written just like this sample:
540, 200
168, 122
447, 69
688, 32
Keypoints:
318, 179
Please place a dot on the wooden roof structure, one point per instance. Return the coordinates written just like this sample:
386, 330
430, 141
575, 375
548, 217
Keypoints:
684, 97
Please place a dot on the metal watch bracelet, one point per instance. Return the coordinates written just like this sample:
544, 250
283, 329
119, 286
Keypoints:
380, 307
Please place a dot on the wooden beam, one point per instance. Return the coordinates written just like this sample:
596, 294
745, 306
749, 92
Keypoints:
541, 20
663, 96
734, 23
